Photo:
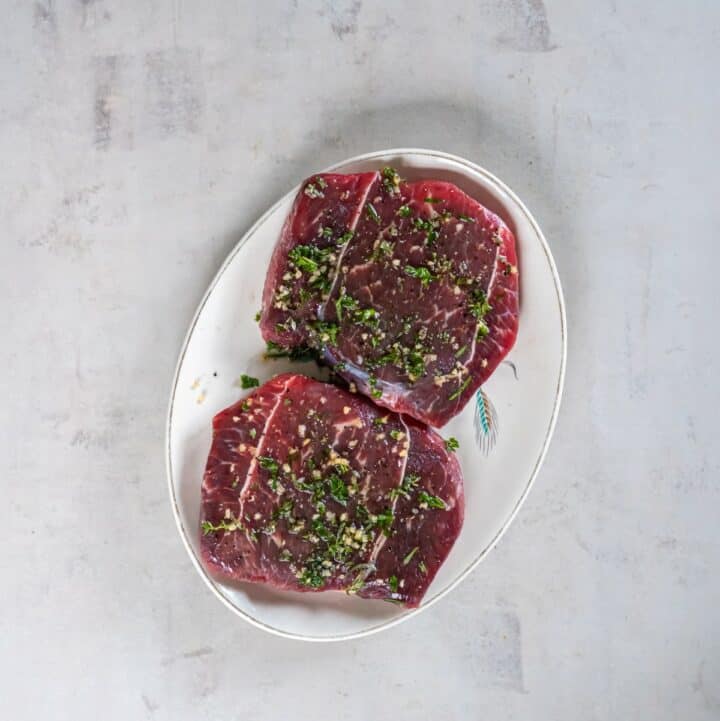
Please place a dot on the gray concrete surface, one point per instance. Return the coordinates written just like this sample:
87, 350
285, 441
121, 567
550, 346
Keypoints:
140, 139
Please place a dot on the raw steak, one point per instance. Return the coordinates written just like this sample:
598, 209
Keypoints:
311, 488
408, 290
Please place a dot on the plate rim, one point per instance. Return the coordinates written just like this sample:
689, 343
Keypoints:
493, 179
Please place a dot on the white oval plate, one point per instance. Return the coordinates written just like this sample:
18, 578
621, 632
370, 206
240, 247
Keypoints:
224, 341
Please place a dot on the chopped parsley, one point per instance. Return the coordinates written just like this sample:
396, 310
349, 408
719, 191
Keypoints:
408, 485
327, 332
284, 510
308, 258
414, 365
321, 182
391, 180
224, 525
421, 273
393, 355
482, 330
357, 584
364, 570
344, 302
338, 489
433, 200
311, 574
459, 391
269, 464
393, 583
429, 226
384, 521
451, 444
312, 190
248, 382
367, 316
410, 555
385, 247
404, 211
319, 528
479, 306
275, 350
257, 316
300, 353
396, 435
431, 501
372, 213
422, 566
466, 218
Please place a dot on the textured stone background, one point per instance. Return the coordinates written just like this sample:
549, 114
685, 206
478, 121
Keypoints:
139, 139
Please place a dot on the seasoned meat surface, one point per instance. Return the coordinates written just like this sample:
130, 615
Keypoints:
409, 291
309, 487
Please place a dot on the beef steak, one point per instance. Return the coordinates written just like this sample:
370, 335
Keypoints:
309, 487
408, 290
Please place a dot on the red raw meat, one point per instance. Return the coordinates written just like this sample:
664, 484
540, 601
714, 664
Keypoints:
310, 488
409, 291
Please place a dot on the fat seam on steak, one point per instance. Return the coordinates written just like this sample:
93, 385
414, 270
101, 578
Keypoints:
407, 290
310, 488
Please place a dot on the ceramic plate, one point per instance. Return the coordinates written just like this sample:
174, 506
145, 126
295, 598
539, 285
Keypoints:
224, 341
